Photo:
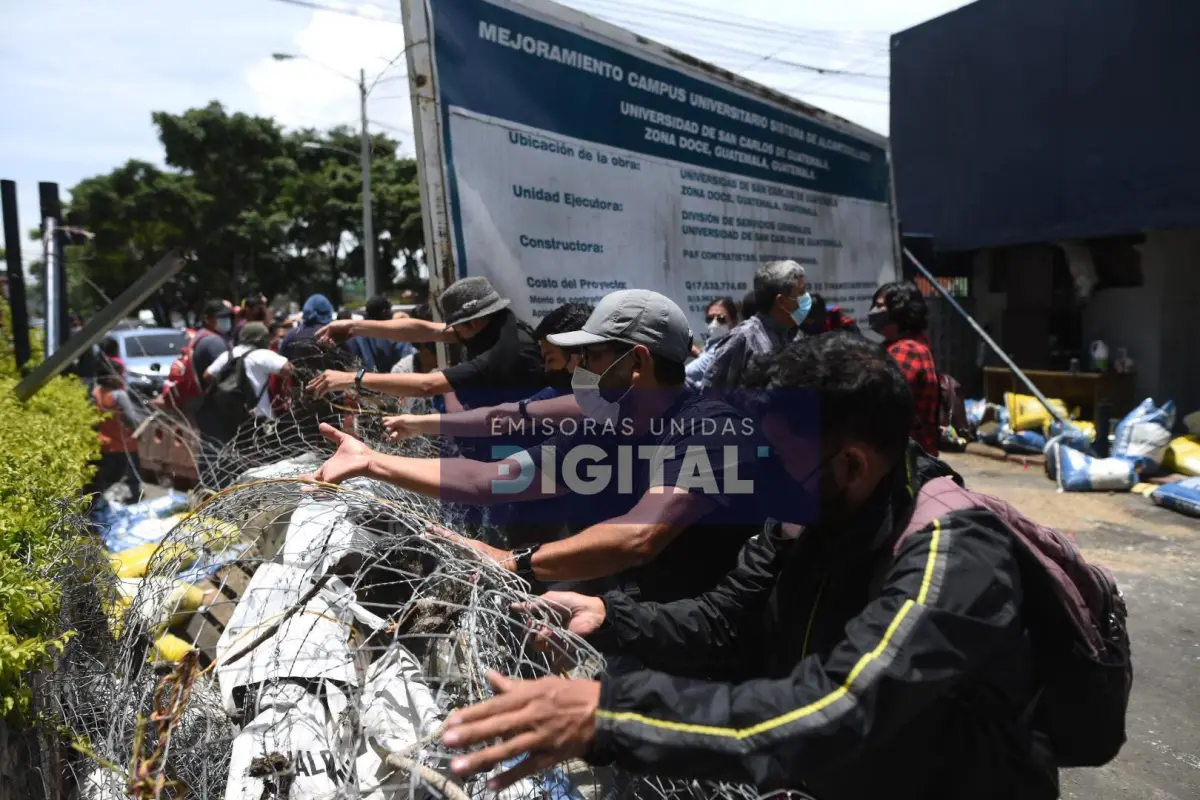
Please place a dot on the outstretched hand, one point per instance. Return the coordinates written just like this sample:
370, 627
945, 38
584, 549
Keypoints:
548, 720
330, 381
351, 460
580, 614
402, 426
335, 332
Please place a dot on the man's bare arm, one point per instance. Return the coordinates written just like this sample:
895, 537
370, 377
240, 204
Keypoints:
459, 480
623, 542
407, 384
397, 330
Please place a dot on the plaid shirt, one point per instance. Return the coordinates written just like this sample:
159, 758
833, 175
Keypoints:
915, 360
756, 337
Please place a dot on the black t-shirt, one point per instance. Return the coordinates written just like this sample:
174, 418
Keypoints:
504, 365
207, 349
703, 445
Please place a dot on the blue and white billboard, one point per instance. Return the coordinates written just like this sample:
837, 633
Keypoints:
579, 158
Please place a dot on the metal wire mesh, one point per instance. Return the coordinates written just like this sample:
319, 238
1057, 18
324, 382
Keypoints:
293, 639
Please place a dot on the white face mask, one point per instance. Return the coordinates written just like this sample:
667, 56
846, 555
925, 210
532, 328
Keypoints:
585, 385
718, 330
224, 324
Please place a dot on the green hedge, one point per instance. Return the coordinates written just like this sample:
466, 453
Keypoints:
46, 446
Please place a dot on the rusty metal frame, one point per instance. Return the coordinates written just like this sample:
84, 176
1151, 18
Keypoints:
101, 323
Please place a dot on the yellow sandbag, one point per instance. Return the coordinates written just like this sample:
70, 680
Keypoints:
169, 647
1183, 455
1026, 413
181, 550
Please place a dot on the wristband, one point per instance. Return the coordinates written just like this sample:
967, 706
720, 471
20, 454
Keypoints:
358, 378
525, 562
523, 408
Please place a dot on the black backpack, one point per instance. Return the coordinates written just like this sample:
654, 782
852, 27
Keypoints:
230, 398
1077, 619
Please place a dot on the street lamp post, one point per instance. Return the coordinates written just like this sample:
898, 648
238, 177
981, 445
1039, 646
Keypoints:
372, 281
368, 222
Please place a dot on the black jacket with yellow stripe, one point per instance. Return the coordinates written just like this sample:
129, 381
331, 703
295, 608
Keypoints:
828, 664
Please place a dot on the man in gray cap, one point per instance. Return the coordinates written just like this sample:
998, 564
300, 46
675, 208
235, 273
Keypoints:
661, 478
782, 301
504, 363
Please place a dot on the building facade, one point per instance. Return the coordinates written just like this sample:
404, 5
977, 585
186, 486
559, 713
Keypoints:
1047, 146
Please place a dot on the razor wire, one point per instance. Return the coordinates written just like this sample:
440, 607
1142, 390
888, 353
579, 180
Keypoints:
289, 639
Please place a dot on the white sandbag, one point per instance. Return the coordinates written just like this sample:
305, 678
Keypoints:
398, 708
319, 534
294, 726
288, 468
1079, 472
101, 783
327, 760
1143, 435
312, 643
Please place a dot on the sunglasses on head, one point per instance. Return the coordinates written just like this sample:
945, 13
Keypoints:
717, 317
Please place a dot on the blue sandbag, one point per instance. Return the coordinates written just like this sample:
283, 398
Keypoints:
1025, 442
1143, 435
1071, 436
1079, 472
975, 411
1182, 496
168, 505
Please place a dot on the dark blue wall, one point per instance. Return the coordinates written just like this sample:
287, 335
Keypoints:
1018, 121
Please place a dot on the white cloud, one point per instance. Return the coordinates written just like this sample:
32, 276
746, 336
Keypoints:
310, 92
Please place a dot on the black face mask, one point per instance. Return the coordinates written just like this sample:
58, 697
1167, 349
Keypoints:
878, 319
817, 499
831, 498
559, 379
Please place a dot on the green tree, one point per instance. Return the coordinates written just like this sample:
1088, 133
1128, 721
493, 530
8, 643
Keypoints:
256, 207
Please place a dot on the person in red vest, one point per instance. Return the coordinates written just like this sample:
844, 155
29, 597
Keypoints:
119, 460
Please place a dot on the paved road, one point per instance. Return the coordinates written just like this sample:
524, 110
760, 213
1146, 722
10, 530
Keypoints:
1156, 557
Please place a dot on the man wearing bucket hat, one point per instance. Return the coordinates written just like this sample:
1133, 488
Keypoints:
660, 478
504, 363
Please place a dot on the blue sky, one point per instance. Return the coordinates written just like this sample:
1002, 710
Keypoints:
79, 80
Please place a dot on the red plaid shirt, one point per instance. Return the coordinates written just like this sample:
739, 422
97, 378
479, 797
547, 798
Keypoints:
915, 359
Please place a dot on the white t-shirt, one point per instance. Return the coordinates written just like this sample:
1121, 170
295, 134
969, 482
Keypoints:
261, 364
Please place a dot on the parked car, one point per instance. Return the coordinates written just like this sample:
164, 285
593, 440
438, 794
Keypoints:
148, 354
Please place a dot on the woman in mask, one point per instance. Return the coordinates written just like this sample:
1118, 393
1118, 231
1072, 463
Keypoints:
720, 319
899, 314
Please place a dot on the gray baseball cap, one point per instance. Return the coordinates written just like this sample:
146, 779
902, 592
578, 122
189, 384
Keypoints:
635, 316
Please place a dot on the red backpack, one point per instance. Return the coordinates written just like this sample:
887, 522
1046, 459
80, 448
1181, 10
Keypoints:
1077, 624
183, 383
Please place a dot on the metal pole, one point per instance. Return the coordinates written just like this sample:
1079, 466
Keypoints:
368, 225
949, 298
427, 140
50, 260
51, 206
16, 274
101, 323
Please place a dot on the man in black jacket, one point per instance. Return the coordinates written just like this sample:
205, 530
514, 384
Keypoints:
824, 662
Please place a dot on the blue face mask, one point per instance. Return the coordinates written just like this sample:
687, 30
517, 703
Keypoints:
805, 305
